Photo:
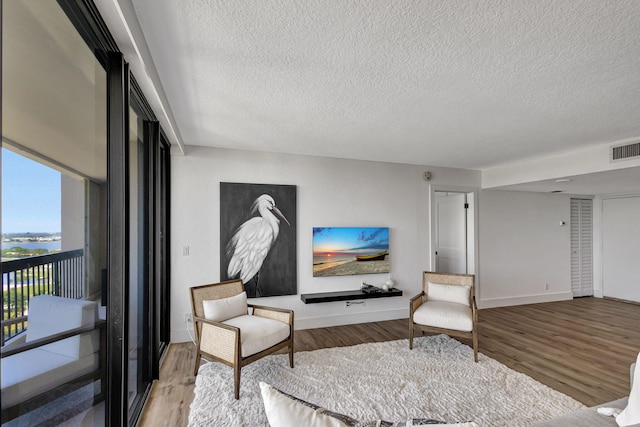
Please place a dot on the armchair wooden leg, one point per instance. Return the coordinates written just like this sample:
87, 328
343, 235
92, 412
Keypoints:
236, 381
475, 345
291, 355
410, 334
197, 366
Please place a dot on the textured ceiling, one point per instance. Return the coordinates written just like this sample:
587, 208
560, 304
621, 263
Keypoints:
470, 84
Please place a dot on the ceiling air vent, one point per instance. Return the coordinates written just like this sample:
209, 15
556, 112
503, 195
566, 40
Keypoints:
625, 151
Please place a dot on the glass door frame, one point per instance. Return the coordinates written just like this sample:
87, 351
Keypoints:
148, 366
122, 88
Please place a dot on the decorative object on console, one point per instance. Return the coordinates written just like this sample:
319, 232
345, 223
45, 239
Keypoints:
370, 289
386, 380
341, 251
258, 237
390, 283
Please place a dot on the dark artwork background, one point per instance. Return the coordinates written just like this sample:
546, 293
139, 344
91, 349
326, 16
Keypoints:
278, 275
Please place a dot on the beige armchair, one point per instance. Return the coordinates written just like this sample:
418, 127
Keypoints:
446, 305
227, 333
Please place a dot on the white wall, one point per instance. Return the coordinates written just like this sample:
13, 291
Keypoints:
73, 213
523, 250
331, 192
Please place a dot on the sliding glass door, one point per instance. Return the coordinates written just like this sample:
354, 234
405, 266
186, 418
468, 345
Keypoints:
138, 378
162, 273
148, 267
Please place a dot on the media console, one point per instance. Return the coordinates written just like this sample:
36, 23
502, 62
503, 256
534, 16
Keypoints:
347, 295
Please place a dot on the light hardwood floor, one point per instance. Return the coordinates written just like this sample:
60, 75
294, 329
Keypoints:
582, 348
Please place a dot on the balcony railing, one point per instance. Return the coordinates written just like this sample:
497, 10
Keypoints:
59, 274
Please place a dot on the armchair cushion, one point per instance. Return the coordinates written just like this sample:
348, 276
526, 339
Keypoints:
36, 371
451, 293
223, 309
258, 333
49, 315
444, 314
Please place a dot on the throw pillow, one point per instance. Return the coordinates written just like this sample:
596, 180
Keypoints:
285, 410
415, 422
630, 416
223, 309
450, 293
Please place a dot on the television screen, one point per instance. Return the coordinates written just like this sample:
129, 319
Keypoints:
341, 251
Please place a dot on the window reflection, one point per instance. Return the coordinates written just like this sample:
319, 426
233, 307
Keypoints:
54, 113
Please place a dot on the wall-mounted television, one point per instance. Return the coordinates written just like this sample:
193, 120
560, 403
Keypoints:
341, 251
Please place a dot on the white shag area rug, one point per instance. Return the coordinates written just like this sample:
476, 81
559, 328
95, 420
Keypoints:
438, 379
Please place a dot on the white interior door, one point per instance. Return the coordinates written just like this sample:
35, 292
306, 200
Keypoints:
581, 247
451, 232
620, 248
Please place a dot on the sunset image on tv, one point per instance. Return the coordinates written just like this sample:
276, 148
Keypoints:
341, 251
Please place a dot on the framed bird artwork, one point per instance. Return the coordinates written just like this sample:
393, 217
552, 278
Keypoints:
258, 237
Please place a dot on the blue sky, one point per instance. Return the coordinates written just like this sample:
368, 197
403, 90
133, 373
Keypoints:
349, 240
30, 195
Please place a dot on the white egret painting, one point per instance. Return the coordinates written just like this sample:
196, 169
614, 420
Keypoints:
258, 237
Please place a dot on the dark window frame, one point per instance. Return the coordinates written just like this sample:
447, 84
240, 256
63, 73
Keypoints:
118, 239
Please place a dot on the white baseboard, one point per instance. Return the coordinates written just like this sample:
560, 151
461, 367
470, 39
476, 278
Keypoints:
524, 299
182, 335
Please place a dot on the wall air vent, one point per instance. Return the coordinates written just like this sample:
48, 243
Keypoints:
625, 151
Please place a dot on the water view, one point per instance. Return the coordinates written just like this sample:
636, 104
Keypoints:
329, 261
30, 244
50, 246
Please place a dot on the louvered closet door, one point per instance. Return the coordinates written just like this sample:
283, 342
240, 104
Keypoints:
581, 247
